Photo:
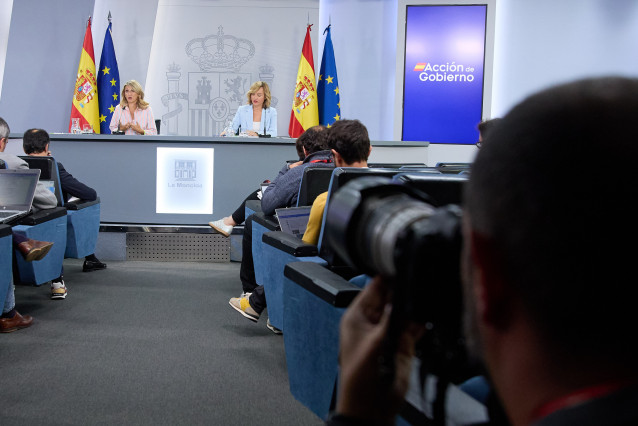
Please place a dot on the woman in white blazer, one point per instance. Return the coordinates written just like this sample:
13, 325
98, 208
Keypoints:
257, 116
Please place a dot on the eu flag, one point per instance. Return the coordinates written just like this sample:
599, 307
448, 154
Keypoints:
108, 82
328, 86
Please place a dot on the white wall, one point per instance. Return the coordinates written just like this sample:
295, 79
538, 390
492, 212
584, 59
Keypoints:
5, 21
188, 54
538, 43
364, 40
544, 42
132, 32
41, 63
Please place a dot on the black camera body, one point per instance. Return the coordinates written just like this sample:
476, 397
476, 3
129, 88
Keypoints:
397, 231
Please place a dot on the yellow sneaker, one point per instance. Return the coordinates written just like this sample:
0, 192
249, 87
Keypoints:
58, 290
241, 305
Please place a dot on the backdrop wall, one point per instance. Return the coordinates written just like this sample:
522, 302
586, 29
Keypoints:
537, 44
205, 55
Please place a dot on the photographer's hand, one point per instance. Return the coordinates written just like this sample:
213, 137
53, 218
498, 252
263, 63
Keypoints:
364, 392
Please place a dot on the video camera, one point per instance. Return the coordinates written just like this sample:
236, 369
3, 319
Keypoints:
414, 242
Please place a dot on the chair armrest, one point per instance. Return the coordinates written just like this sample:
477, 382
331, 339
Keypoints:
5, 230
81, 204
42, 216
268, 222
322, 282
290, 244
254, 205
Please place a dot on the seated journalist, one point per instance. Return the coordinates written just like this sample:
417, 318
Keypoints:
282, 192
257, 116
547, 269
226, 224
36, 143
350, 145
133, 115
31, 250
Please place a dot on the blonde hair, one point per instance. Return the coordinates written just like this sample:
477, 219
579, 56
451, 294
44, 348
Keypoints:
255, 87
137, 88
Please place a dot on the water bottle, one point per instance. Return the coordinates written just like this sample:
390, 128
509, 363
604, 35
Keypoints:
75, 125
228, 130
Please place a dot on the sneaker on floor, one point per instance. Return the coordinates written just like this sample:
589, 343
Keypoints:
241, 305
92, 265
221, 227
273, 328
58, 290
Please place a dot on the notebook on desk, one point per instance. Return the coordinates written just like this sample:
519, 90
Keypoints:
293, 220
17, 188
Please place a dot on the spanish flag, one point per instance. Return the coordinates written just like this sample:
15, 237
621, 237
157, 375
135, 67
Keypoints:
305, 110
85, 105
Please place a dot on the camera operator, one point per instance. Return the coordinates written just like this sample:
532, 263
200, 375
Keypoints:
546, 269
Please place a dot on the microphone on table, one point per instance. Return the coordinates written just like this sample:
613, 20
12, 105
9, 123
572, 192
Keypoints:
264, 135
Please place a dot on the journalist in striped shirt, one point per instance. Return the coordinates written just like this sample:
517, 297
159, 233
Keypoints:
133, 115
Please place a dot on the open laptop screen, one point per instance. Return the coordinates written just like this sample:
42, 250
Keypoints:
17, 188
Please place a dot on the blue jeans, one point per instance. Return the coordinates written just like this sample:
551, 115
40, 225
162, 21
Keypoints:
10, 301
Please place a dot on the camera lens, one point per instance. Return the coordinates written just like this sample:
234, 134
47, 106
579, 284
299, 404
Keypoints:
367, 219
382, 227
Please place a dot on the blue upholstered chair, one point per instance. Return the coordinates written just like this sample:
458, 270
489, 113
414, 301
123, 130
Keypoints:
395, 165
45, 225
314, 181
442, 188
316, 299
83, 217
252, 207
453, 168
278, 249
83, 228
6, 250
311, 341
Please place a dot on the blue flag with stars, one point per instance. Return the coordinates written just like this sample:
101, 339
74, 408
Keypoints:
328, 86
108, 83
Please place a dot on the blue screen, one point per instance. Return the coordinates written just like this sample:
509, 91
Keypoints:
443, 76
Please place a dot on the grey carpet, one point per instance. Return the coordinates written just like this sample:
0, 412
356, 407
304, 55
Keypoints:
144, 343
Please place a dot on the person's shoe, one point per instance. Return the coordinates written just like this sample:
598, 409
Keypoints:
92, 265
273, 328
58, 290
8, 325
221, 227
241, 305
34, 249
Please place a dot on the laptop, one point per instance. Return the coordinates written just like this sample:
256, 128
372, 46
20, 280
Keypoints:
293, 220
17, 189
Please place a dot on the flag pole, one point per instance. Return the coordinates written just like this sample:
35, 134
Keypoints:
108, 80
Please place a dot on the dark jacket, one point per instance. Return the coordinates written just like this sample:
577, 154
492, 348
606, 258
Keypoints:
71, 187
283, 191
